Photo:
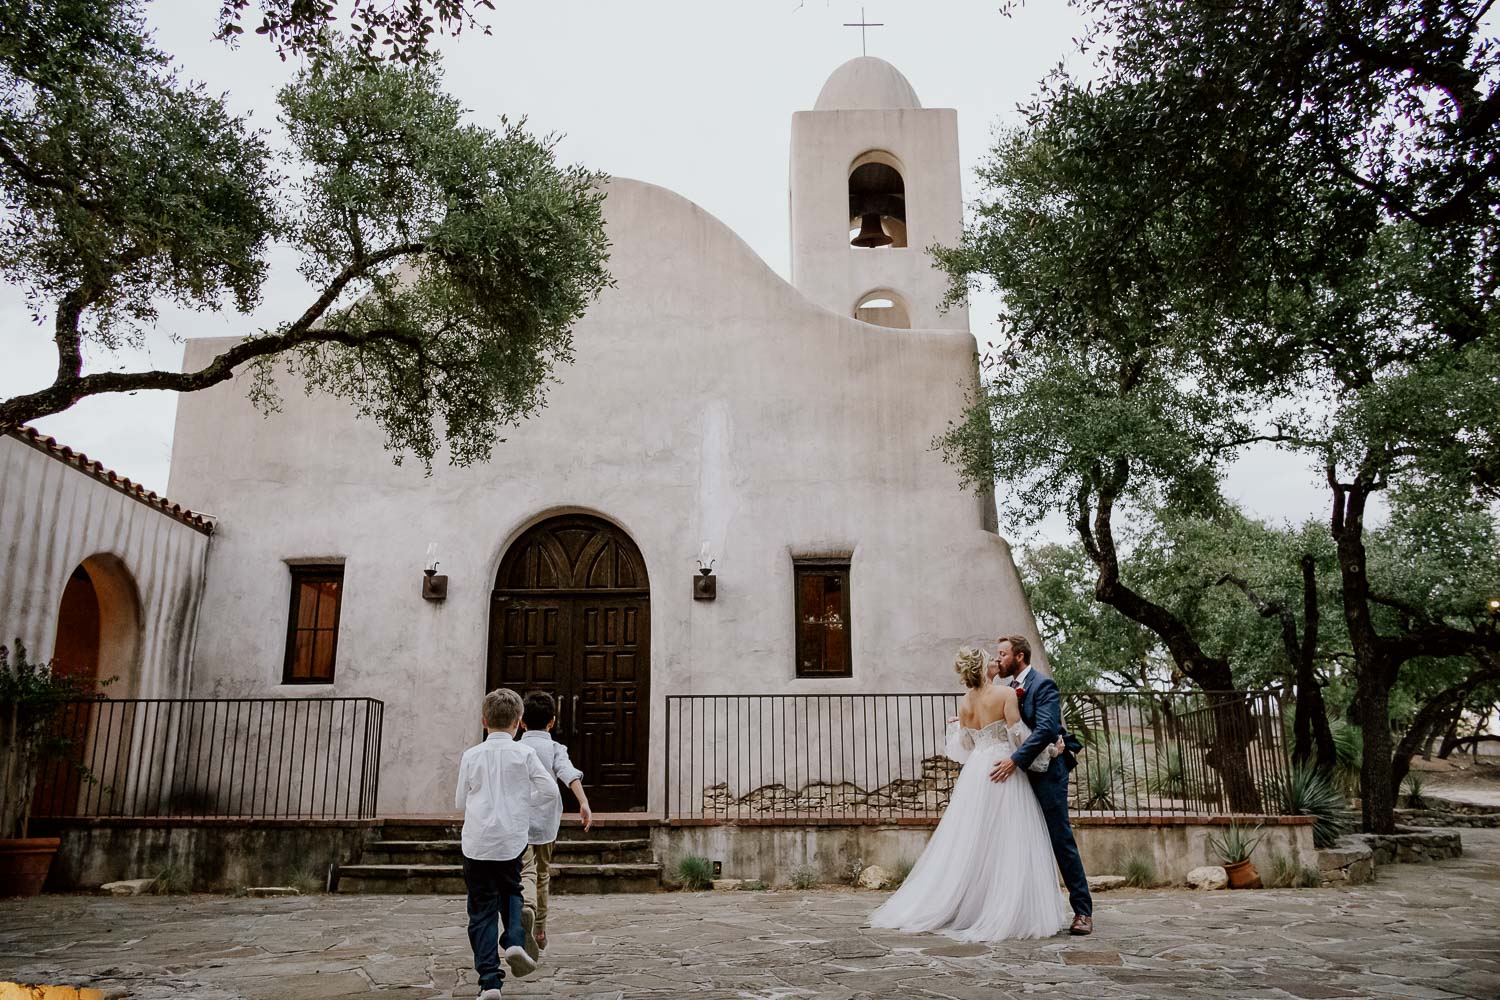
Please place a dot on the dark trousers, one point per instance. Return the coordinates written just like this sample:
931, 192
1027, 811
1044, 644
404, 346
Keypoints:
1051, 787
494, 902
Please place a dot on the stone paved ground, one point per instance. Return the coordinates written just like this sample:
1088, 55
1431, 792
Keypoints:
1422, 932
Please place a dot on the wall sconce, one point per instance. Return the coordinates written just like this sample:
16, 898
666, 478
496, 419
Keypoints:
705, 584
434, 587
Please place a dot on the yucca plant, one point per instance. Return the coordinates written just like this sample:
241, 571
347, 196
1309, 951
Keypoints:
1306, 791
1415, 784
1349, 749
1101, 788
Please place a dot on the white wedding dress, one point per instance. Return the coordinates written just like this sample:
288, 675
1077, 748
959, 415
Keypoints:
987, 873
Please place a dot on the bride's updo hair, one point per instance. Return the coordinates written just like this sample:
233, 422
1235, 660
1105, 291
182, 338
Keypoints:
970, 664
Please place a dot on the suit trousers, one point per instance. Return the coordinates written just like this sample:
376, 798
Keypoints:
1051, 787
536, 882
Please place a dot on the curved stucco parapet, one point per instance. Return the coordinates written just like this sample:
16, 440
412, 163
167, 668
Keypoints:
716, 274
866, 83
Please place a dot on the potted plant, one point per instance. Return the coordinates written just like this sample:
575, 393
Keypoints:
1234, 849
32, 697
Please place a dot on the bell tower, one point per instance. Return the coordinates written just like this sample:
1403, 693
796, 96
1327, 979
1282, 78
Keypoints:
874, 183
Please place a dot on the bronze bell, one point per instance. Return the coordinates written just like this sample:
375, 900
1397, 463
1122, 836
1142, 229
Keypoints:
870, 232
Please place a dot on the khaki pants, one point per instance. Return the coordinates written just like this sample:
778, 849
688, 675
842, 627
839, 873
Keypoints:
536, 882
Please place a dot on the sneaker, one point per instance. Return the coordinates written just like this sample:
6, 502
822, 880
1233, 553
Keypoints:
489, 995
529, 940
521, 964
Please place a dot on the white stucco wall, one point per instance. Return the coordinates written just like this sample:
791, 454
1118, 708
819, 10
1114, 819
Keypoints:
147, 566
709, 400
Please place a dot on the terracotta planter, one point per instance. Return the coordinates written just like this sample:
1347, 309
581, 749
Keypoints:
24, 864
1242, 875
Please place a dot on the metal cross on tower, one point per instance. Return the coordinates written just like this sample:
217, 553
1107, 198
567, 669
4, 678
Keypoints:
862, 24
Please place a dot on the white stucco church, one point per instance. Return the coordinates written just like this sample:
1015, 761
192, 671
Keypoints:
790, 426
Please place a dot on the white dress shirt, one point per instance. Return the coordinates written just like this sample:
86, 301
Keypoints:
501, 785
554, 757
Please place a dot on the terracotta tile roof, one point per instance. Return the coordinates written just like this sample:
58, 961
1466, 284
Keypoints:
110, 478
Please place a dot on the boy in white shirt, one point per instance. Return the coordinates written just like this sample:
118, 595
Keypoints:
501, 784
539, 716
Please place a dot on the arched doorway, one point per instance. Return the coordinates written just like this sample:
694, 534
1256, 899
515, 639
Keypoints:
97, 641
571, 615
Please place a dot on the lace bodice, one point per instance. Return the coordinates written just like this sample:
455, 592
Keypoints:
963, 741
993, 734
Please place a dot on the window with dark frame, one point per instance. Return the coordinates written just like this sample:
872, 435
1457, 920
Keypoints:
823, 646
312, 634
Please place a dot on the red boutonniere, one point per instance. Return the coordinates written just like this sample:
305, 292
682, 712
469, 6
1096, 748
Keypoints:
1020, 693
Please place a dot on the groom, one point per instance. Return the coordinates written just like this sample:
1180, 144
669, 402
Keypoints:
1041, 710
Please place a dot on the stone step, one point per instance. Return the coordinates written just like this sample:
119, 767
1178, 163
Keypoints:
583, 852
441, 879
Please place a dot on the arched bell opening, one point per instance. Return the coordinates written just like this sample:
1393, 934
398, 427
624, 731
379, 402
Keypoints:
877, 202
883, 307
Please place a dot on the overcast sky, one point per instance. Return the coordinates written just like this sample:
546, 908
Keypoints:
695, 95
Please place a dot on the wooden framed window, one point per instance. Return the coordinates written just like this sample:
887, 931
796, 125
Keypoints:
823, 646
312, 633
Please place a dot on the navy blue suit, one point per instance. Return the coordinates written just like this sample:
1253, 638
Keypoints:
1041, 709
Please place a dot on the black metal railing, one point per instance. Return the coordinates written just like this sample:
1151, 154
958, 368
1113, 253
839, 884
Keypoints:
296, 758
878, 757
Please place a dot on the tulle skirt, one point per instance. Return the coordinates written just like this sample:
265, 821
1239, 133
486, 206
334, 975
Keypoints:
987, 873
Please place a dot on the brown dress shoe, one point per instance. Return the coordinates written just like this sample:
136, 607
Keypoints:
1081, 925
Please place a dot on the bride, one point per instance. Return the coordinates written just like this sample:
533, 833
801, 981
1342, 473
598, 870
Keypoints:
988, 871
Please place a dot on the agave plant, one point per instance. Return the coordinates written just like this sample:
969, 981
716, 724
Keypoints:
1235, 845
1349, 748
1415, 786
1309, 792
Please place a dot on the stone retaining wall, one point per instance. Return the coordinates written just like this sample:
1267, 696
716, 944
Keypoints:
206, 855
1412, 846
770, 851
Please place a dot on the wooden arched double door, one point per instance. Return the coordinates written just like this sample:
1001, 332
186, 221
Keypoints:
571, 615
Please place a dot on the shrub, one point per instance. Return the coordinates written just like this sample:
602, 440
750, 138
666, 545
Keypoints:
1308, 792
1415, 784
310, 878
1283, 874
694, 872
804, 877
753, 885
1139, 871
903, 869
170, 881
855, 869
1170, 777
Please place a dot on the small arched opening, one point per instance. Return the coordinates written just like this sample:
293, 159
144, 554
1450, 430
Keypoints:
877, 202
883, 308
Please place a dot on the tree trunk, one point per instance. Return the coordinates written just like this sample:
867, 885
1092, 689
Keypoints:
1377, 796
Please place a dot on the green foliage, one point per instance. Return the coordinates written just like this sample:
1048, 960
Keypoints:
32, 699
902, 870
1235, 844
1415, 784
694, 872
1218, 240
172, 880
1287, 874
309, 878
1308, 792
1139, 871
1349, 745
804, 877
402, 32
853, 870
449, 260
